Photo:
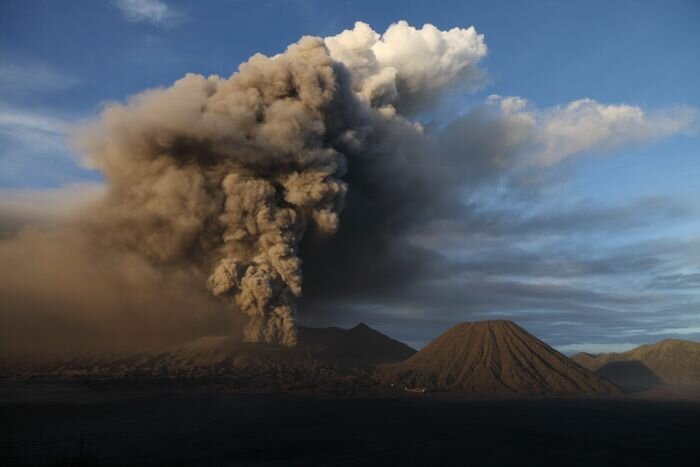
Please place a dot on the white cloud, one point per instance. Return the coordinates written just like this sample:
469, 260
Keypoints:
36, 130
665, 331
408, 63
34, 150
594, 348
586, 125
21, 76
13, 117
153, 11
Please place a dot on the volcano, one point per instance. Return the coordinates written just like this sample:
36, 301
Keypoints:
358, 346
630, 375
321, 354
498, 357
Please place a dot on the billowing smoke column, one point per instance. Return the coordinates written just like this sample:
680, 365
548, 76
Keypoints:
226, 175
229, 173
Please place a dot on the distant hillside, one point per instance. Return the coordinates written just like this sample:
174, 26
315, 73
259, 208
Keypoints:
495, 357
630, 375
675, 361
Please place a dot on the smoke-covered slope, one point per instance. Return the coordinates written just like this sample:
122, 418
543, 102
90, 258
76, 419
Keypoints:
675, 361
321, 353
495, 357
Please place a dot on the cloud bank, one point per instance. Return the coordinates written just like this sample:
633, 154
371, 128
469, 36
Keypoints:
587, 125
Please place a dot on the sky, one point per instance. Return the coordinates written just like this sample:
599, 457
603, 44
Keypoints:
593, 246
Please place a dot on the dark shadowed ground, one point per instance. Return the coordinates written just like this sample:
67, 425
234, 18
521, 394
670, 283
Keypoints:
165, 423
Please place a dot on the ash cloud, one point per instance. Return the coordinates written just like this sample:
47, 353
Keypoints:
217, 191
211, 185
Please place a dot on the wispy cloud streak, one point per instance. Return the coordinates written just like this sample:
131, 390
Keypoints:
153, 11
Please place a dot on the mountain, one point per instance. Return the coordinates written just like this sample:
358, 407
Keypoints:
630, 375
675, 361
360, 345
322, 354
495, 357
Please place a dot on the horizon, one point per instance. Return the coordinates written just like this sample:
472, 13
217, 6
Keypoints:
549, 180
621, 349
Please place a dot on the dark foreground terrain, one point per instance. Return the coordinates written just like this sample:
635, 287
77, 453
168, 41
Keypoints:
161, 423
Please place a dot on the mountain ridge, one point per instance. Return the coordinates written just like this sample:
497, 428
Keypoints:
676, 361
328, 351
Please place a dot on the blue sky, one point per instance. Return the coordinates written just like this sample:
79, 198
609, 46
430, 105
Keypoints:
60, 62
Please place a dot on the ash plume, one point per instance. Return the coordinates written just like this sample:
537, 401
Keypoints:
216, 181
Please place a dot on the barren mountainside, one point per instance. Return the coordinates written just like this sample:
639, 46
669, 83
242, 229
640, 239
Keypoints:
675, 361
490, 357
495, 357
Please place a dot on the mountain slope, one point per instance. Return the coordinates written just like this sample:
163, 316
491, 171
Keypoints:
495, 357
630, 375
360, 345
675, 361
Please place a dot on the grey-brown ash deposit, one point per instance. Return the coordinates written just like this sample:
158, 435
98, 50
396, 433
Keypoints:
495, 357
